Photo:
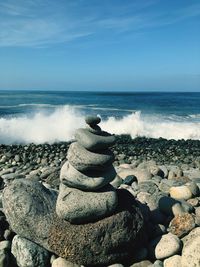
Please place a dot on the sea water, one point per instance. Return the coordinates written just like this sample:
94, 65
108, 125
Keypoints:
40, 116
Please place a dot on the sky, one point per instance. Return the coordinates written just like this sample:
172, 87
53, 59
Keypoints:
126, 45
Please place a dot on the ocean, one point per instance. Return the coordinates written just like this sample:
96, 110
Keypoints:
40, 116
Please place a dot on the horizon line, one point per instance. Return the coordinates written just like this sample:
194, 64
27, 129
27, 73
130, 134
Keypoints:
99, 91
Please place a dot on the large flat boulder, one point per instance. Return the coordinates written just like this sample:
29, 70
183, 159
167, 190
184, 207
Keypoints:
30, 210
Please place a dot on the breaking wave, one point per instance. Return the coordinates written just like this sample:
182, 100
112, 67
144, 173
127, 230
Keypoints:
60, 125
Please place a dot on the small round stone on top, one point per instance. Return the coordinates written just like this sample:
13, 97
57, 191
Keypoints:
92, 120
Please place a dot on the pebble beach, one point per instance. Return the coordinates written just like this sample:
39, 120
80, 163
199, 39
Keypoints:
162, 175
99, 133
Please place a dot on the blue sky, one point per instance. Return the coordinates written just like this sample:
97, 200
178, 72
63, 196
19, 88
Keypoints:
100, 45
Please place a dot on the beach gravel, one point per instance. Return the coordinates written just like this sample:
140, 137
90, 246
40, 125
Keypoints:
159, 164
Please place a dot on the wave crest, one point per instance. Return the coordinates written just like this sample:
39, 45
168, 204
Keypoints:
61, 124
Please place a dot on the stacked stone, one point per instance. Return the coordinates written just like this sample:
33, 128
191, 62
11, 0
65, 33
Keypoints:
85, 194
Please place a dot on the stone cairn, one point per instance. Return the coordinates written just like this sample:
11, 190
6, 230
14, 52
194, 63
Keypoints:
87, 222
85, 194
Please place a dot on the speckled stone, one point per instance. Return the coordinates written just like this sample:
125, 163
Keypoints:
182, 224
77, 206
191, 249
165, 246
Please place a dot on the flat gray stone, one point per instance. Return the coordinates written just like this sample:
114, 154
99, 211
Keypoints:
83, 160
29, 254
88, 181
93, 141
30, 209
94, 129
78, 206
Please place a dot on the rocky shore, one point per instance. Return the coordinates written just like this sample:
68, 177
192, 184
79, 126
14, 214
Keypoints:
162, 175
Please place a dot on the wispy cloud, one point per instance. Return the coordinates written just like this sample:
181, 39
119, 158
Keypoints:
35, 23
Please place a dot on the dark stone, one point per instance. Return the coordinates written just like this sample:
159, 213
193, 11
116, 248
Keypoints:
30, 210
129, 179
92, 120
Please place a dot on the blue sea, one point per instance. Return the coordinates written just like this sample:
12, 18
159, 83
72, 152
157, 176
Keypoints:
40, 116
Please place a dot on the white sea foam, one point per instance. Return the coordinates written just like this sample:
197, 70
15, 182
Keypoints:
61, 124
155, 127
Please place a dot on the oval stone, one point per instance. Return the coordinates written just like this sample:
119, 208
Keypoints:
180, 192
88, 181
83, 160
93, 141
92, 120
